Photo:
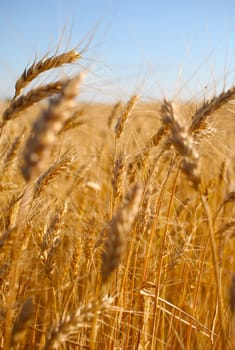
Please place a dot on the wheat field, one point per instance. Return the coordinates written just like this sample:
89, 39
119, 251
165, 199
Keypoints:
117, 221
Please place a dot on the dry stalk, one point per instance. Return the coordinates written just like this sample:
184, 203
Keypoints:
232, 294
216, 271
44, 65
232, 308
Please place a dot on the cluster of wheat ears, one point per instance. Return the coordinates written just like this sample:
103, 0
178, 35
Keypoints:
117, 228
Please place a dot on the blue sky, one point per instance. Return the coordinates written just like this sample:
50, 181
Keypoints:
154, 48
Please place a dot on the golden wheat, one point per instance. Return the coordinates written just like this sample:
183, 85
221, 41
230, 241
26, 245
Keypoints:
46, 128
44, 65
97, 214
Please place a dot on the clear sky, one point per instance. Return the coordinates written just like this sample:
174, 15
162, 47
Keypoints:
151, 47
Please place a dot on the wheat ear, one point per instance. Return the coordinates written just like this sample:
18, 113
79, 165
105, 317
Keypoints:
182, 141
46, 128
44, 65
73, 121
117, 230
23, 102
113, 113
209, 107
122, 119
82, 318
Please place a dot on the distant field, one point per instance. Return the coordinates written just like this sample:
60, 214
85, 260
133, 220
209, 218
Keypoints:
117, 221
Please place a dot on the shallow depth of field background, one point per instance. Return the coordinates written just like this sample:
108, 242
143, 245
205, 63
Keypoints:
182, 49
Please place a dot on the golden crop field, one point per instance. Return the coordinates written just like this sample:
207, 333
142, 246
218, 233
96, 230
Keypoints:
117, 221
